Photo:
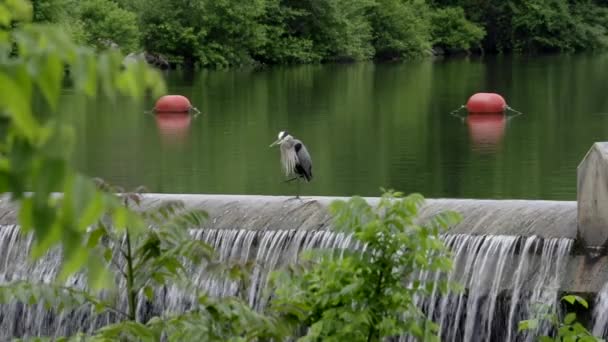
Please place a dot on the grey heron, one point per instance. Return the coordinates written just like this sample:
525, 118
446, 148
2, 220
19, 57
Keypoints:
295, 159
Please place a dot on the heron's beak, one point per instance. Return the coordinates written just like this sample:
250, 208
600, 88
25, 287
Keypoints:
275, 143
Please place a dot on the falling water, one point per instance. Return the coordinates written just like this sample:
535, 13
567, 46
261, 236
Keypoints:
503, 275
266, 250
600, 313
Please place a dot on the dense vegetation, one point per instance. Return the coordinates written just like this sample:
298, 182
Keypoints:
363, 300
222, 33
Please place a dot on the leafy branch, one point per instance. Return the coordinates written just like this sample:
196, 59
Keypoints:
369, 295
566, 330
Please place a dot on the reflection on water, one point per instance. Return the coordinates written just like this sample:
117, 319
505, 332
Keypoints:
173, 127
486, 131
366, 125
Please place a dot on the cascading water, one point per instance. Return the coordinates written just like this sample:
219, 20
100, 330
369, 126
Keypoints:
600, 313
503, 276
266, 249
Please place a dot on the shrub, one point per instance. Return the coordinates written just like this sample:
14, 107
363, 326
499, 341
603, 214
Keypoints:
362, 295
400, 29
451, 30
104, 22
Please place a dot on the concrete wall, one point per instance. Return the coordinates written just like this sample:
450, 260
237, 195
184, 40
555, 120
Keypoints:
548, 219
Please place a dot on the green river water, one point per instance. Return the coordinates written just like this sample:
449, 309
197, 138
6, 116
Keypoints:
366, 126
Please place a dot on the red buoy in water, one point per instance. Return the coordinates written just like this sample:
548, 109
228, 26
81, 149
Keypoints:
172, 104
486, 103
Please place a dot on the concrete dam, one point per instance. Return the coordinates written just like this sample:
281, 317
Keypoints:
508, 255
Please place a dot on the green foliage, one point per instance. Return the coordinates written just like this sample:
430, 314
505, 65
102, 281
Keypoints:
339, 29
34, 154
590, 26
173, 28
558, 26
204, 32
537, 25
401, 29
49, 11
105, 23
542, 25
566, 329
451, 30
284, 44
226, 33
233, 31
161, 256
216, 320
159, 253
368, 295
61, 13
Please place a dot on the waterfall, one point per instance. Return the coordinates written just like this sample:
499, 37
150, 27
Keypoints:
266, 249
600, 313
503, 275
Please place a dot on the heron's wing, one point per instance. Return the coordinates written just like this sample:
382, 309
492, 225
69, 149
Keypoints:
304, 159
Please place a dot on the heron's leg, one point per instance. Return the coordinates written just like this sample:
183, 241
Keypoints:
298, 187
290, 180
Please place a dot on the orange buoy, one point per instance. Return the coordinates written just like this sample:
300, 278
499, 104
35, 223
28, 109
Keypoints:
486, 103
172, 104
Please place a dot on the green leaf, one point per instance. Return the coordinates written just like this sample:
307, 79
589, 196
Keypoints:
589, 339
85, 74
50, 176
49, 79
99, 276
99, 308
416, 330
348, 289
570, 318
94, 237
149, 292
58, 141
576, 299
5, 16
20, 9
128, 84
107, 254
73, 263
120, 218
48, 234
26, 215
93, 211
529, 324
15, 101
569, 298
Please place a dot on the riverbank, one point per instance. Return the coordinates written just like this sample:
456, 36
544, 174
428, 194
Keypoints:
210, 34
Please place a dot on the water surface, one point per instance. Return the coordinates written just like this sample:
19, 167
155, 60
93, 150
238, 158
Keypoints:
366, 126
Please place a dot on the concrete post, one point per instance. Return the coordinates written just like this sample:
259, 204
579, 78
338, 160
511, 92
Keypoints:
592, 196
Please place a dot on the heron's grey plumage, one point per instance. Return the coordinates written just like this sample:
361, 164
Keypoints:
304, 160
295, 158
289, 158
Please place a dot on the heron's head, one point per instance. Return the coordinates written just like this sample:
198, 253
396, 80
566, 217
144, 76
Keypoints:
282, 137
